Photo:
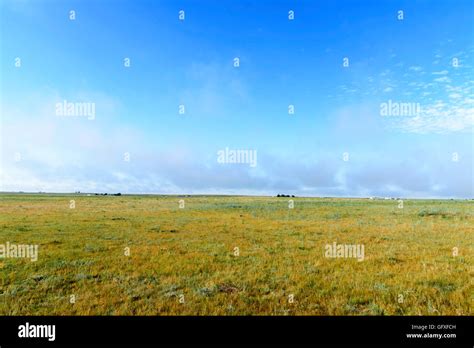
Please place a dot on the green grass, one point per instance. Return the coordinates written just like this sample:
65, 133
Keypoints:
188, 255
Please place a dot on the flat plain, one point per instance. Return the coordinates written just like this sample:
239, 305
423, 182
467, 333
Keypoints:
235, 255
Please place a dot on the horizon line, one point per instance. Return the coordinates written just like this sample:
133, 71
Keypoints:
226, 195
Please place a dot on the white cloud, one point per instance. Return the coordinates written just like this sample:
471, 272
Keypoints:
415, 68
442, 79
65, 155
443, 72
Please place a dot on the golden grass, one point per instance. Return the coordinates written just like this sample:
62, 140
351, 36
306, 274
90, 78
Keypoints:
190, 252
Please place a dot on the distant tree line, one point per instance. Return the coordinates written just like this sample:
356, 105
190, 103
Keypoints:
105, 194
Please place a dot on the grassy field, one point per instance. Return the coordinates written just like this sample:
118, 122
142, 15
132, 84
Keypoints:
235, 256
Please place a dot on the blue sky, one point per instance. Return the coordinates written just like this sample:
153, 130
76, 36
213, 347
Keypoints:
282, 62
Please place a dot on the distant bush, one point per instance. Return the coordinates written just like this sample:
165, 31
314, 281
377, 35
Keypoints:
435, 212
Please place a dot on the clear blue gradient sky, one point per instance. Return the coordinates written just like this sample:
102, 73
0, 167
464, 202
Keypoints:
282, 62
